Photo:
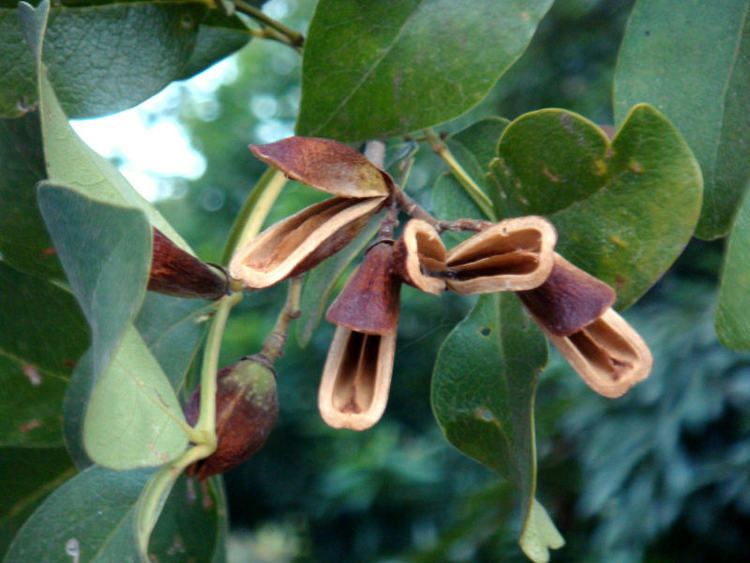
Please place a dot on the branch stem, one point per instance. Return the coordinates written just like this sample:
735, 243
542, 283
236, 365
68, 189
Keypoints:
468, 183
273, 346
294, 38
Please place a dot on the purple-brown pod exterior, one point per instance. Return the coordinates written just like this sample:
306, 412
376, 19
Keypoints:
246, 412
176, 272
370, 301
569, 300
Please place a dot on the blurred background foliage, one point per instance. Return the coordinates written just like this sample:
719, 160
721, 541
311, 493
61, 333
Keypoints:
661, 475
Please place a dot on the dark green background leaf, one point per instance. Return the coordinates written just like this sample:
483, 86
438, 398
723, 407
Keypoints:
193, 521
624, 211
27, 476
691, 60
400, 66
24, 242
105, 57
36, 357
483, 391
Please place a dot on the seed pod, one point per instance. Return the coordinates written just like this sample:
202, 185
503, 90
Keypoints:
302, 241
514, 255
176, 272
608, 354
370, 301
246, 412
419, 253
356, 379
569, 299
324, 164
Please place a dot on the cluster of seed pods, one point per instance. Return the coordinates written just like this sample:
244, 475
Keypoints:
573, 308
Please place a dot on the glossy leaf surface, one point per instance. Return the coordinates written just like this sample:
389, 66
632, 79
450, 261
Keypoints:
691, 60
483, 392
623, 210
399, 66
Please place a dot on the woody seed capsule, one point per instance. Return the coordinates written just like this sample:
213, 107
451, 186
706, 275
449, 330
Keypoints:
246, 412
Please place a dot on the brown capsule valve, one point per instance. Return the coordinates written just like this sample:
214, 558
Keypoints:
246, 412
419, 254
608, 354
369, 303
326, 165
176, 272
569, 299
356, 379
302, 241
513, 255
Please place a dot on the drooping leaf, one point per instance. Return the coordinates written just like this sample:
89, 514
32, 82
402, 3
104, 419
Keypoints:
483, 391
399, 66
132, 415
691, 60
48, 336
70, 162
172, 328
320, 282
24, 242
65, 523
105, 57
623, 210
106, 253
28, 475
733, 310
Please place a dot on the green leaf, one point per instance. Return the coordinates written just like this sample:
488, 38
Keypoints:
24, 242
172, 328
321, 282
733, 310
381, 69
106, 253
16, 67
219, 36
104, 57
623, 210
48, 336
483, 391
132, 418
691, 60
28, 475
93, 515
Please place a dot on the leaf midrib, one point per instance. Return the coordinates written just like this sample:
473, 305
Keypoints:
369, 71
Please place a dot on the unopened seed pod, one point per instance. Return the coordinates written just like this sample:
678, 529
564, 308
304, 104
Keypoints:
246, 412
513, 255
302, 241
369, 303
419, 254
176, 272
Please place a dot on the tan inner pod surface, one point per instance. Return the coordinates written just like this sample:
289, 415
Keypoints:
355, 379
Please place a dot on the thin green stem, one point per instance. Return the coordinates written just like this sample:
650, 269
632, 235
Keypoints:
254, 211
154, 495
206, 425
295, 38
468, 183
